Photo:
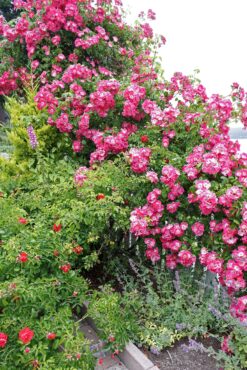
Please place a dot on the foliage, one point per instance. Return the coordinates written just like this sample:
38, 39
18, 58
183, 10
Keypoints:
238, 340
37, 291
168, 306
23, 114
113, 317
233, 353
109, 158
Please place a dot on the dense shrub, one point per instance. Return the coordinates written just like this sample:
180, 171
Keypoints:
116, 155
39, 290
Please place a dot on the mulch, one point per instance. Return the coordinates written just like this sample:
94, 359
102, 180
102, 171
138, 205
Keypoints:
176, 358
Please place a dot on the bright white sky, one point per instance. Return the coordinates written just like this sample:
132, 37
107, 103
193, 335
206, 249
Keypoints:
210, 35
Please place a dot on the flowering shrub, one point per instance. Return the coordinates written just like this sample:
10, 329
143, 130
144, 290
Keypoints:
41, 286
150, 156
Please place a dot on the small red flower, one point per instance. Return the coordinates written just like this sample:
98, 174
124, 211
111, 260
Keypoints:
3, 340
111, 338
65, 268
144, 139
51, 336
78, 249
101, 361
57, 228
27, 350
35, 363
100, 196
12, 286
22, 220
23, 257
56, 253
26, 335
78, 356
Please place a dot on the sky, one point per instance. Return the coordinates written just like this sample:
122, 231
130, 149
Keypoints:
209, 35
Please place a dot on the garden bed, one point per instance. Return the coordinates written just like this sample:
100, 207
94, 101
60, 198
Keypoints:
117, 187
177, 358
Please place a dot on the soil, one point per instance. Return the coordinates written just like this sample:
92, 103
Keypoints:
176, 358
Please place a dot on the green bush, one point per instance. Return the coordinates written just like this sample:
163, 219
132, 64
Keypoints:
85, 89
36, 290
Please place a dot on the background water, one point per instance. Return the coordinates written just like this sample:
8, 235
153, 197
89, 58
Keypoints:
238, 133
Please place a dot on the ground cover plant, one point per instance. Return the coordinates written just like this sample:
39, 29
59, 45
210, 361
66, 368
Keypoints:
109, 159
172, 305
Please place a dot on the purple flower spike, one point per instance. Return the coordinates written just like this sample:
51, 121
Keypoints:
32, 137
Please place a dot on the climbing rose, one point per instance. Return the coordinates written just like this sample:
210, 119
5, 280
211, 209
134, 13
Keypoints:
151, 14
238, 308
139, 159
77, 146
169, 175
171, 261
80, 175
186, 258
152, 176
198, 228
173, 207
26, 335
153, 254
240, 256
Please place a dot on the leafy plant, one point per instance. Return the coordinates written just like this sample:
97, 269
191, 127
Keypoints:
109, 159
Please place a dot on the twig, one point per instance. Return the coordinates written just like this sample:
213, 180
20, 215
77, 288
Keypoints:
169, 356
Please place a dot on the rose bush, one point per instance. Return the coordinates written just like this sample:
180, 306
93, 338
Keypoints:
38, 295
152, 161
